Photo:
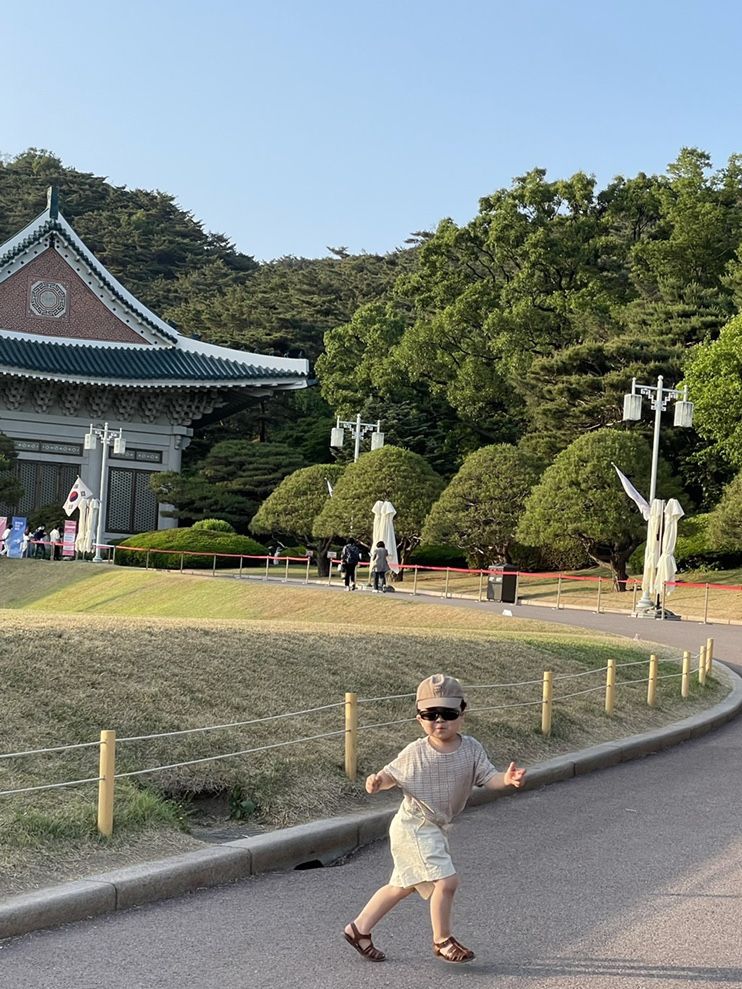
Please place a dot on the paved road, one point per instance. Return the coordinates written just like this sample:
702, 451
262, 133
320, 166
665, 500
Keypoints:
630, 877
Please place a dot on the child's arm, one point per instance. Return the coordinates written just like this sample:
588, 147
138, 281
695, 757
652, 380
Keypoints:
379, 781
513, 776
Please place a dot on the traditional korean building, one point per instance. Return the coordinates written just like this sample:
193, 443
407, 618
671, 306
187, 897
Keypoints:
76, 348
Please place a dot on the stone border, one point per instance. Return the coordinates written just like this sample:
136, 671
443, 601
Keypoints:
320, 842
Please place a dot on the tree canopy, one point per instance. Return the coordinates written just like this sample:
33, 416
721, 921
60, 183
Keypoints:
580, 498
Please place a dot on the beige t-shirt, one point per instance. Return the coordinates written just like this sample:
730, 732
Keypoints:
438, 784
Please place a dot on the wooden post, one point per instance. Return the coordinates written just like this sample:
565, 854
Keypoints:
706, 605
610, 686
559, 592
685, 679
414, 583
107, 771
702, 665
709, 656
445, 589
600, 584
652, 681
351, 736
546, 703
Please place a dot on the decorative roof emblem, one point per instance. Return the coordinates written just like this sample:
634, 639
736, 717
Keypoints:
48, 299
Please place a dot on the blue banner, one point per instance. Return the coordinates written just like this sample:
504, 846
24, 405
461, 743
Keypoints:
15, 538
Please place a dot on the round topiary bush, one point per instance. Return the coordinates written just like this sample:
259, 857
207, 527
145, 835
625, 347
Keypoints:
196, 547
214, 525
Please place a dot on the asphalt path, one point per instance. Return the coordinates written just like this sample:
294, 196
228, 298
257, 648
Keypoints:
628, 877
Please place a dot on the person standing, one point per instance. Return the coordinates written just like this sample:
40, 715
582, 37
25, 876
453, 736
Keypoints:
435, 774
380, 566
55, 539
350, 557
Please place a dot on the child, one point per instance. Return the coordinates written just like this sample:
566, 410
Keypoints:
436, 775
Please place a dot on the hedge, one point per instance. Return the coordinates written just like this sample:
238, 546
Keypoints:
187, 541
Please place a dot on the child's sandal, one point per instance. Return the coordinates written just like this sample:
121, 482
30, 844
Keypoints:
451, 950
371, 953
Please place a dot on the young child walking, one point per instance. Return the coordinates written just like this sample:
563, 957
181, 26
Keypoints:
436, 774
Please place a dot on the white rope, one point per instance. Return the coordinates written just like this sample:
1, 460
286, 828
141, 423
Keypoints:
492, 686
578, 693
384, 724
638, 662
51, 786
586, 673
56, 748
227, 755
389, 697
502, 707
232, 724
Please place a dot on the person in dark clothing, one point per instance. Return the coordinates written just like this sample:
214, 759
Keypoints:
350, 557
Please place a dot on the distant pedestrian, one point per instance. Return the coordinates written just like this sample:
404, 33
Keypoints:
55, 538
380, 566
38, 539
350, 557
435, 775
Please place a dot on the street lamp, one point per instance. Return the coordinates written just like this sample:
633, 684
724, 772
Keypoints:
632, 411
358, 430
108, 437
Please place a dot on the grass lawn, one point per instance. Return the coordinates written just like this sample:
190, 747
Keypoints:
84, 648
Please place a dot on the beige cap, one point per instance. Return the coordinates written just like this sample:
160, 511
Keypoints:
439, 691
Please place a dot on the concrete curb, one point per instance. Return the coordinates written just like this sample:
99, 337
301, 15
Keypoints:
321, 842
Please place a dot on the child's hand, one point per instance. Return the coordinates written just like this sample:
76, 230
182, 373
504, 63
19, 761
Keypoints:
373, 783
513, 776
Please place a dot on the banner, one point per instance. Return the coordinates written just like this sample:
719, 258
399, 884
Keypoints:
3, 527
15, 539
68, 538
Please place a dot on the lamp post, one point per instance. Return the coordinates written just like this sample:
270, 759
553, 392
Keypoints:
659, 398
358, 430
108, 437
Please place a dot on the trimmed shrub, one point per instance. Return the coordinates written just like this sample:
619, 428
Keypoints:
187, 541
439, 556
214, 525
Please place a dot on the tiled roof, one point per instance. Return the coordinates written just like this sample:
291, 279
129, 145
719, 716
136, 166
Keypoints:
140, 365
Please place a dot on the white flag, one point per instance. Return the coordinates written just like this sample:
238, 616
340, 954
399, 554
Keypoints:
78, 490
641, 503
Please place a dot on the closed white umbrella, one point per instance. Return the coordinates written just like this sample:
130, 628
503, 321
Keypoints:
87, 525
83, 508
652, 551
666, 567
383, 531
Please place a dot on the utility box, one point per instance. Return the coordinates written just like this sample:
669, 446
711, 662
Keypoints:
502, 585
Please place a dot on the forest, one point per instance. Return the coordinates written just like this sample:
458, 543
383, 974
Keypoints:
497, 352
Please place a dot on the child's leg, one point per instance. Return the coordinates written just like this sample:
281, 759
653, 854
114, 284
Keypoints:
441, 904
378, 906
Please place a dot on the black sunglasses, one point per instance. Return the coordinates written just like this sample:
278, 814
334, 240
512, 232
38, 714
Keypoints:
444, 713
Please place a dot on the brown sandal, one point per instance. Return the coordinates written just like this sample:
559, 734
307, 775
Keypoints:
369, 952
457, 952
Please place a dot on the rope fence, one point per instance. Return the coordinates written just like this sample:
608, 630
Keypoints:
351, 730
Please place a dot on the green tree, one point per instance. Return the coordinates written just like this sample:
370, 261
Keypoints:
11, 489
724, 531
229, 483
714, 376
392, 474
289, 512
480, 509
580, 499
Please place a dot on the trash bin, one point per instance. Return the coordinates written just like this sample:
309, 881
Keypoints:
502, 585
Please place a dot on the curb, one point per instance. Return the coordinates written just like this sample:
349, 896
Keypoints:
319, 843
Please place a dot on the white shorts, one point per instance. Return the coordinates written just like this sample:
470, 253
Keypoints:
420, 853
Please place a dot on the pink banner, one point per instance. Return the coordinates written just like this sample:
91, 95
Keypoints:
3, 527
68, 538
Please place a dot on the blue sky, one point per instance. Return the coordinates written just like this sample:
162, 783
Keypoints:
290, 126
